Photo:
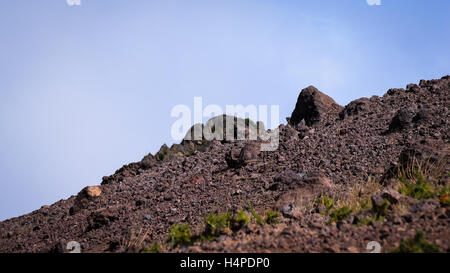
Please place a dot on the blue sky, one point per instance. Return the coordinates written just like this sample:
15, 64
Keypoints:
85, 89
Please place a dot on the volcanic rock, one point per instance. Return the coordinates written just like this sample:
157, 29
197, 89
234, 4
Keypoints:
322, 156
402, 119
355, 107
86, 195
312, 105
236, 158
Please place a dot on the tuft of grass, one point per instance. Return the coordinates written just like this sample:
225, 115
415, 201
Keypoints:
340, 214
420, 179
180, 235
417, 187
417, 244
154, 248
272, 217
242, 218
215, 224
135, 242
327, 202
258, 218
358, 195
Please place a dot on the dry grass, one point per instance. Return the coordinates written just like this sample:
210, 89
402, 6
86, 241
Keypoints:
135, 242
357, 196
431, 170
422, 179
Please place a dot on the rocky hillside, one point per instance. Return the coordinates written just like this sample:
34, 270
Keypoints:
374, 170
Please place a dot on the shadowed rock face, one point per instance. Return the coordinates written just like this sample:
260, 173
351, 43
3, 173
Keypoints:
355, 107
319, 154
312, 105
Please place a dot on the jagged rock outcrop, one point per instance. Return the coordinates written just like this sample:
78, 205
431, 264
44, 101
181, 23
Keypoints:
312, 105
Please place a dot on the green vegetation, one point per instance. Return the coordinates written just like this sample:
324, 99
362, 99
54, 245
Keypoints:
340, 214
180, 235
381, 210
416, 187
258, 218
380, 213
242, 218
272, 217
417, 244
327, 202
215, 224
365, 204
154, 248
420, 180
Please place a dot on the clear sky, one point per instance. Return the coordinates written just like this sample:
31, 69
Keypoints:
85, 89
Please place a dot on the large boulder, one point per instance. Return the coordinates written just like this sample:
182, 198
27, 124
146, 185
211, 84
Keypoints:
355, 107
236, 158
312, 106
402, 119
84, 197
306, 187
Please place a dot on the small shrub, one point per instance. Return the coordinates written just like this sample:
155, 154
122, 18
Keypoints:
417, 187
272, 217
154, 248
420, 179
242, 218
417, 244
327, 202
340, 214
180, 235
215, 224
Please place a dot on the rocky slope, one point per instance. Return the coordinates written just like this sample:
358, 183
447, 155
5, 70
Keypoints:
374, 170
